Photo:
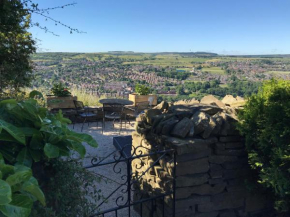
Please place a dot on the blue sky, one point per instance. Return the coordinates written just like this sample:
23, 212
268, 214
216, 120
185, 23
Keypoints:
221, 26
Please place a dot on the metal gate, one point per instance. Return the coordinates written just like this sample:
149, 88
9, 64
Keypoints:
125, 196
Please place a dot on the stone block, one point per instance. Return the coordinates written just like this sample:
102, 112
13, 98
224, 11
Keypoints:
222, 159
215, 181
182, 128
231, 174
233, 145
255, 203
229, 213
216, 174
231, 152
230, 139
209, 129
204, 189
211, 100
168, 125
207, 214
186, 146
192, 180
200, 121
225, 203
220, 146
192, 167
149, 114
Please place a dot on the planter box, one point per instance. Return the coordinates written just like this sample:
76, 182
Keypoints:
142, 98
55, 102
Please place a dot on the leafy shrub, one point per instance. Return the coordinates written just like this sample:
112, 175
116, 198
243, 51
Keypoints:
30, 135
19, 189
142, 89
265, 122
70, 191
60, 90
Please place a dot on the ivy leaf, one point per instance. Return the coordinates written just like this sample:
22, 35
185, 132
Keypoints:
51, 151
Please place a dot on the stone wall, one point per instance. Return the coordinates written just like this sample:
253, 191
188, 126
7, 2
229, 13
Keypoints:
211, 169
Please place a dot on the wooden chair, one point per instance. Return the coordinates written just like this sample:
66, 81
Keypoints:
84, 113
113, 112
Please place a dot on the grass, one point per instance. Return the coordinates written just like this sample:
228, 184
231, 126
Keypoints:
214, 70
87, 98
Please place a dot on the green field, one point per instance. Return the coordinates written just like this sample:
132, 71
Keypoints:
214, 70
279, 72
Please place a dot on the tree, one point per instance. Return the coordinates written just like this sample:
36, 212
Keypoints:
265, 122
16, 45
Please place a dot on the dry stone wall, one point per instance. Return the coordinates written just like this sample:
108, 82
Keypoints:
211, 160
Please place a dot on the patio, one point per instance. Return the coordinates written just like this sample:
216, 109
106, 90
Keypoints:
109, 179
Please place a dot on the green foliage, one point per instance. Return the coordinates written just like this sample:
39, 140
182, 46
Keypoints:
30, 134
60, 89
16, 46
265, 122
19, 189
142, 89
71, 191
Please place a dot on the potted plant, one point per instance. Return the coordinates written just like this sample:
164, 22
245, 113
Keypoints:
142, 94
61, 98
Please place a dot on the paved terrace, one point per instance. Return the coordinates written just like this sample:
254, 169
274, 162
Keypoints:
110, 180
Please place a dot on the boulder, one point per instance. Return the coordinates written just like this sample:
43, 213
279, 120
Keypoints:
211, 100
182, 128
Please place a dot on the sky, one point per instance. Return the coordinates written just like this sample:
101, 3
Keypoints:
219, 26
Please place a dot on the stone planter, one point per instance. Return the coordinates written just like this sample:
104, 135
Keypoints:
135, 98
55, 102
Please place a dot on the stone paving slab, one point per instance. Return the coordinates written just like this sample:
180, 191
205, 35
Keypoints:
113, 175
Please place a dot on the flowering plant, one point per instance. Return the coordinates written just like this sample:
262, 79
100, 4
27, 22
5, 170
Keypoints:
60, 90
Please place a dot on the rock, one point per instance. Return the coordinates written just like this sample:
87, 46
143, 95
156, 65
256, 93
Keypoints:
222, 159
229, 99
234, 145
211, 100
192, 167
230, 213
200, 121
255, 203
209, 109
230, 139
204, 189
189, 146
163, 106
186, 102
225, 203
207, 214
218, 121
191, 180
209, 129
182, 128
149, 114
168, 125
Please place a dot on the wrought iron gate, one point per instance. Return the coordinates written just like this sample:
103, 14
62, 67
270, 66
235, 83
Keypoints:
120, 167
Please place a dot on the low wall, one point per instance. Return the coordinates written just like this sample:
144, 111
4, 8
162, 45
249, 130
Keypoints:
212, 164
